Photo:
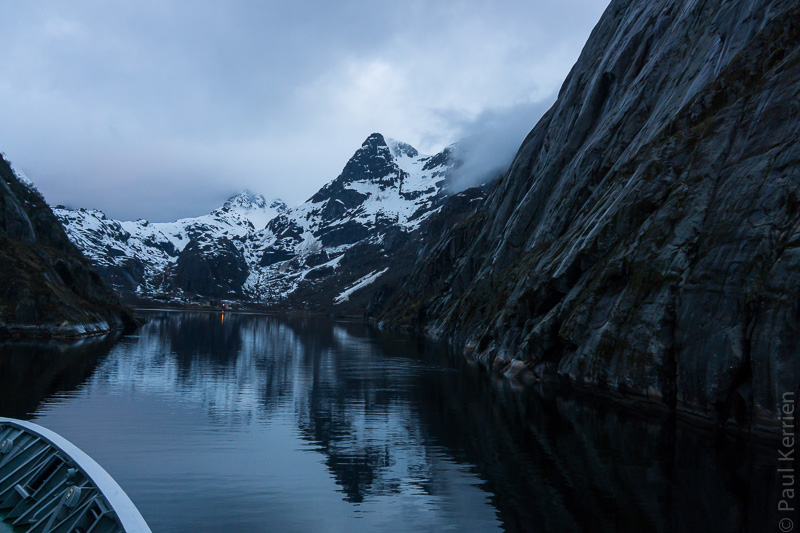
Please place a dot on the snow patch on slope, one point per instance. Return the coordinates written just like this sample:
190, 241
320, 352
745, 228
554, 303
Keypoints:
360, 284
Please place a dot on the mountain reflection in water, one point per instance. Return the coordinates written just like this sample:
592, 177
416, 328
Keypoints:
254, 423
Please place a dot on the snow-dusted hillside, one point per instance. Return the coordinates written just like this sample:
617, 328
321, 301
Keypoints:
138, 256
251, 249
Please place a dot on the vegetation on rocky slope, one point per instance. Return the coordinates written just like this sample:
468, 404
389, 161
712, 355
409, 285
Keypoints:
47, 288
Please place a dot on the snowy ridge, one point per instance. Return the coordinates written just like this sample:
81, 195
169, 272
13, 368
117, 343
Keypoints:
387, 188
154, 247
261, 251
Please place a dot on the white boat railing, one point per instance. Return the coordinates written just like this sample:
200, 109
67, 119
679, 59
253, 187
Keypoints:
48, 485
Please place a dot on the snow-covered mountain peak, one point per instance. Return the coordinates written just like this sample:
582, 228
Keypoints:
400, 149
373, 160
374, 142
253, 207
279, 205
258, 249
384, 192
246, 200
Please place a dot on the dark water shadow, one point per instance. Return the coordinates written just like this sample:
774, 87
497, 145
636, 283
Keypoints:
31, 371
558, 460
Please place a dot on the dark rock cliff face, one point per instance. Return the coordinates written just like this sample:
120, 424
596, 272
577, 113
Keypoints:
646, 239
47, 287
213, 267
449, 223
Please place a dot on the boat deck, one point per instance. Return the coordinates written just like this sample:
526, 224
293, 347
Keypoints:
6, 527
48, 484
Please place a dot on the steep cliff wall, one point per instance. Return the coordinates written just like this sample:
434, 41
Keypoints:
47, 288
646, 239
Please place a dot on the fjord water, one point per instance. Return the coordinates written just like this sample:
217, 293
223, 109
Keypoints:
242, 423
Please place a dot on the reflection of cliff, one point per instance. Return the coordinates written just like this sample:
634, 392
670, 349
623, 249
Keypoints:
214, 338
237, 367
32, 371
351, 398
372, 441
356, 406
391, 420
568, 463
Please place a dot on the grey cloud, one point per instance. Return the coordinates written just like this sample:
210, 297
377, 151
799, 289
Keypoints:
490, 141
159, 109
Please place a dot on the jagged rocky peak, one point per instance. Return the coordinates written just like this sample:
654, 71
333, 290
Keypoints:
382, 153
374, 143
342, 236
389, 164
247, 200
378, 146
372, 161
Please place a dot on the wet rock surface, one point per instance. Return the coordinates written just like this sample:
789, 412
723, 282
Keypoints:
646, 239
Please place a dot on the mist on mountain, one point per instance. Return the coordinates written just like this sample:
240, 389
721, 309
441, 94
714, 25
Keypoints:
490, 139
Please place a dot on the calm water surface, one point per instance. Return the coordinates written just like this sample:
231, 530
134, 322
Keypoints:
245, 423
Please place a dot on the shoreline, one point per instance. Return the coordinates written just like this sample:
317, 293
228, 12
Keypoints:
519, 373
514, 371
15, 332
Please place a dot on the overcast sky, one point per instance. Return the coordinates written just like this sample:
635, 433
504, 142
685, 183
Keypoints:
161, 110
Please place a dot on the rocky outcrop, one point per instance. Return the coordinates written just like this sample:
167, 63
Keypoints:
47, 288
211, 267
646, 239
